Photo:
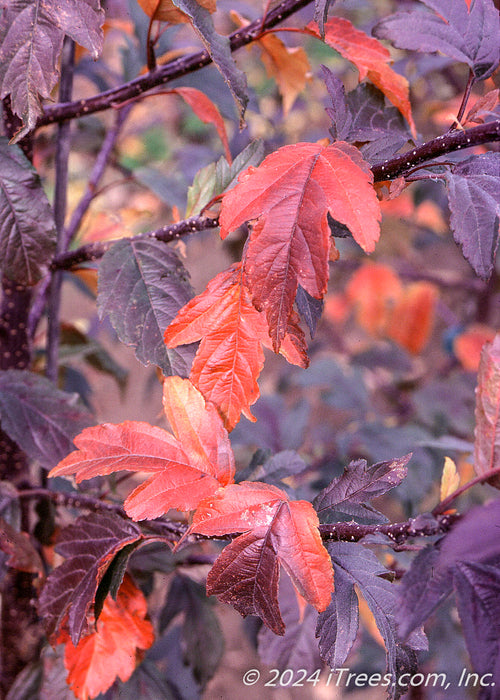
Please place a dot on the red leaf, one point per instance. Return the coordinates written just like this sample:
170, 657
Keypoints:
205, 110
371, 59
487, 433
186, 468
264, 511
232, 331
373, 290
113, 650
468, 345
412, 316
289, 196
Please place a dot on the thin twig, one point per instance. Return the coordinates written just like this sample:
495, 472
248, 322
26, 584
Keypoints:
468, 88
60, 201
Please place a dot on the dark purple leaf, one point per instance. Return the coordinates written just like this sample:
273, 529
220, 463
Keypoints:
473, 540
422, 589
27, 230
362, 568
89, 546
382, 130
339, 112
41, 419
350, 492
245, 575
142, 286
309, 308
278, 427
294, 649
31, 36
473, 188
470, 37
273, 470
202, 636
477, 589
338, 624
146, 683
219, 49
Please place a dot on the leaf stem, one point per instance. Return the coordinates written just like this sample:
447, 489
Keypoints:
463, 105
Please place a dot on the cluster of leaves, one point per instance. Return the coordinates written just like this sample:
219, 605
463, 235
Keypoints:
302, 206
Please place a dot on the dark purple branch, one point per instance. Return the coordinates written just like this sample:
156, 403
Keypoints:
171, 232
60, 203
171, 71
452, 141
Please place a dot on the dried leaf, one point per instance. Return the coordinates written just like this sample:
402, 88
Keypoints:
487, 433
450, 479
166, 11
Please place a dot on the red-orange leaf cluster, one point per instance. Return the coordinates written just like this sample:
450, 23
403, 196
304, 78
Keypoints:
112, 651
275, 531
186, 467
288, 198
232, 332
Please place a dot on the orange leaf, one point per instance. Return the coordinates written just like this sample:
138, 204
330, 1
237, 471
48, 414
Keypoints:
373, 290
288, 66
232, 331
186, 468
487, 432
289, 196
205, 110
412, 317
166, 11
113, 650
291, 525
371, 59
468, 345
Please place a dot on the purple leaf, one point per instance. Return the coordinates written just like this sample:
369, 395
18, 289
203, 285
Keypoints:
309, 308
362, 568
146, 683
41, 419
27, 229
142, 286
338, 624
350, 492
274, 469
245, 575
473, 188
473, 540
202, 636
339, 112
477, 589
31, 36
219, 49
89, 545
294, 649
470, 37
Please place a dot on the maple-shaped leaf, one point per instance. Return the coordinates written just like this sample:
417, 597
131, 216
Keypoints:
41, 419
31, 37
487, 432
473, 187
185, 468
351, 492
229, 358
371, 59
113, 650
270, 522
142, 285
166, 11
288, 197
467, 32
27, 228
89, 545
